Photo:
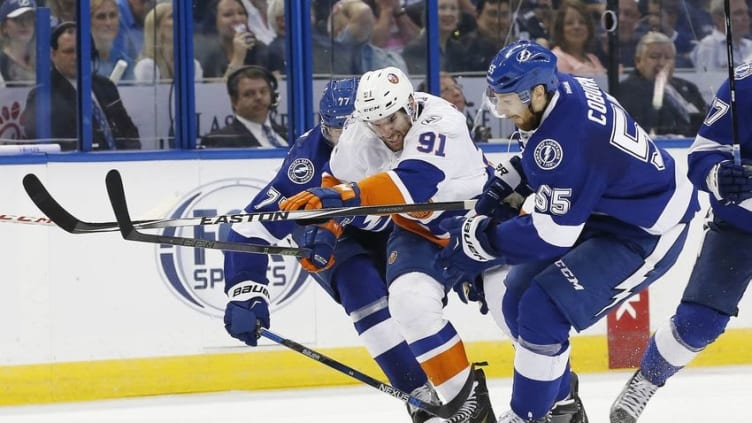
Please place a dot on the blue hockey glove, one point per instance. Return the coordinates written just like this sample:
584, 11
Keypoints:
342, 195
469, 251
731, 183
321, 240
504, 194
247, 311
472, 291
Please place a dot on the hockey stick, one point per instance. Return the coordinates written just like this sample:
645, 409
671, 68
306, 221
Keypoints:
732, 83
117, 199
62, 218
444, 411
42, 198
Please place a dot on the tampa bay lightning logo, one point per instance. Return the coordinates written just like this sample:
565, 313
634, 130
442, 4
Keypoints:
301, 170
548, 154
196, 275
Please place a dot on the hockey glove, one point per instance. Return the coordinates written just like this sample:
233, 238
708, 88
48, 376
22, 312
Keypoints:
472, 291
469, 251
731, 183
247, 311
342, 195
504, 194
321, 240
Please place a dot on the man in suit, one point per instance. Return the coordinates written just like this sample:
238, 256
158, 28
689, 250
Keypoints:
112, 126
253, 94
679, 108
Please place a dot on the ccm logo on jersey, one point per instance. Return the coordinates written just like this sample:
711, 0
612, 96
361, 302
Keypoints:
569, 275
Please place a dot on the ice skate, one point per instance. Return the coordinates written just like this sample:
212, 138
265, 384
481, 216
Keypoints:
477, 407
570, 410
632, 400
428, 394
511, 417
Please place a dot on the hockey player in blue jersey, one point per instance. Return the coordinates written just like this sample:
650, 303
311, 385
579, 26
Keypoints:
355, 281
611, 216
723, 269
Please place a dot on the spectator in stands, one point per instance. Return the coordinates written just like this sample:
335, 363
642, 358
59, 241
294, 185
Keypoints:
673, 23
573, 40
17, 42
112, 126
679, 108
352, 23
393, 28
157, 59
258, 20
62, 11
536, 22
253, 95
132, 16
451, 91
629, 35
449, 46
226, 43
109, 42
276, 15
493, 31
710, 53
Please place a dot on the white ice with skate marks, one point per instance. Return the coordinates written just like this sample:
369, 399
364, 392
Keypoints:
693, 395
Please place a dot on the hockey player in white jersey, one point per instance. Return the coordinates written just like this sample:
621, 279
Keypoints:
412, 147
611, 216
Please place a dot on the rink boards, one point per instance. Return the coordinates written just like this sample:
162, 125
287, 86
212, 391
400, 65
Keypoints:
93, 316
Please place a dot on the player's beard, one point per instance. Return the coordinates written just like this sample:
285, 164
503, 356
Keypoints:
533, 121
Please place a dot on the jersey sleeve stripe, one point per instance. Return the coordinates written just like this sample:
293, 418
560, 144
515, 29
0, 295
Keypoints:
256, 230
705, 144
553, 233
677, 205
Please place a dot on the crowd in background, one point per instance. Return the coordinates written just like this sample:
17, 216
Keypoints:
133, 39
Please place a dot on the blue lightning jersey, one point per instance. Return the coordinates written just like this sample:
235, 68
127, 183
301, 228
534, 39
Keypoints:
714, 141
590, 164
302, 168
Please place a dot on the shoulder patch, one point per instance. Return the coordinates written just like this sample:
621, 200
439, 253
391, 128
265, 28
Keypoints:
301, 171
742, 71
431, 119
548, 154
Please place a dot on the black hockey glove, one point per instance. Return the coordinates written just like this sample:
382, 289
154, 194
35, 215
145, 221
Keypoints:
731, 183
504, 194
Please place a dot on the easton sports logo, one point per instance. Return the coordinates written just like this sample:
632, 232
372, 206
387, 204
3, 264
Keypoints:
196, 275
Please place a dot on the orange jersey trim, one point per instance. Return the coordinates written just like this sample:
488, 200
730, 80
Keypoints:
379, 189
418, 229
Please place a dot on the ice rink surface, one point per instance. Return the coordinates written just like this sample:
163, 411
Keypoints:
718, 394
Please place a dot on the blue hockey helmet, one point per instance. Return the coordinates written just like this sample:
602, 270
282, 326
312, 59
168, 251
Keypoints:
338, 102
519, 67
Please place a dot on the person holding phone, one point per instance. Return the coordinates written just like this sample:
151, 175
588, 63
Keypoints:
226, 43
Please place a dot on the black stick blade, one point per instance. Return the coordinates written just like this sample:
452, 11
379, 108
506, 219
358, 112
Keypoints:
116, 192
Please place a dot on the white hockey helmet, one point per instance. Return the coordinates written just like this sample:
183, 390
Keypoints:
383, 92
